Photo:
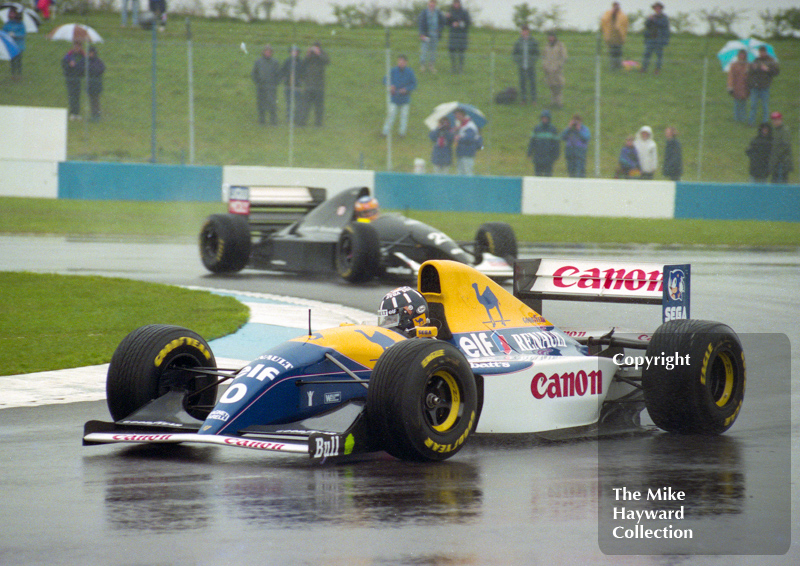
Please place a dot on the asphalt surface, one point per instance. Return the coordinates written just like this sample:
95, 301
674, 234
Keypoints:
501, 500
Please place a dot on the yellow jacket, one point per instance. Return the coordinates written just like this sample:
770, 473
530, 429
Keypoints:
615, 30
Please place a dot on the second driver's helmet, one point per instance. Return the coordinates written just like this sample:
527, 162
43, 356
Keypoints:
367, 208
404, 308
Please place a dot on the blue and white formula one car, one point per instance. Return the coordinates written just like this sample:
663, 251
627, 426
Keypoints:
459, 355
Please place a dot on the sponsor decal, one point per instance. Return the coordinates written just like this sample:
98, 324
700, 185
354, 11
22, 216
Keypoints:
484, 344
218, 415
334, 397
255, 444
489, 301
153, 423
431, 357
608, 279
177, 343
142, 437
501, 343
325, 446
536, 341
446, 448
675, 299
676, 284
239, 207
488, 365
278, 360
567, 384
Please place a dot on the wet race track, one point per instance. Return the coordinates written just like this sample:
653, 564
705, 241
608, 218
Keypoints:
501, 500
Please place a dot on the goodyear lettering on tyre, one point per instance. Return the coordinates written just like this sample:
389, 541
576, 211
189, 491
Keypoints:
177, 343
447, 448
705, 363
431, 357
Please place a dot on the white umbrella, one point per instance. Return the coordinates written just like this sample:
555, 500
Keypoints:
75, 32
8, 47
30, 18
447, 109
751, 45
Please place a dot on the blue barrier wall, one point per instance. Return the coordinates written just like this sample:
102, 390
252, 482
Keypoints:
138, 181
718, 201
449, 192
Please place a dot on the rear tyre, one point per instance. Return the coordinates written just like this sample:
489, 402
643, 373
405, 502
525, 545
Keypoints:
358, 253
703, 396
498, 239
422, 400
225, 243
155, 359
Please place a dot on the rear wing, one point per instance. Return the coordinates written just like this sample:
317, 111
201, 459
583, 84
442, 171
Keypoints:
269, 208
611, 282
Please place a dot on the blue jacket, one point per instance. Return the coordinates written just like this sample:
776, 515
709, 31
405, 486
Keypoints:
442, 153
469, 141
628, 158
402, 80
425, 29
656, 30
576, 141
16, 29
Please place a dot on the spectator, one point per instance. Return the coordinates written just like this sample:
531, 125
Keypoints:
95, 86
737, 85
131, 6
614, 25
43, 7
656, 37
431, 23
576, 140
266, 75
647, 152
544, 146
554, 56
159, 10
759, 78
16, 29
780, 156
758, 153
458, 21
73, 66
628, 162
673, 155
402, 82
314, 76
442, 153
468, 141
525, 54
292, 76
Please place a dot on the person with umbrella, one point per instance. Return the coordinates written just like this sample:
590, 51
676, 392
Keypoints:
16, 29
759, 78
74, 67
468, 141
95, 86
737, 86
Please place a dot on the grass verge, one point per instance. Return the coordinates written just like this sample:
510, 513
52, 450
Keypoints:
51, 322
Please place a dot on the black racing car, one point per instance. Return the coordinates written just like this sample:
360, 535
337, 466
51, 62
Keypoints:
296, 229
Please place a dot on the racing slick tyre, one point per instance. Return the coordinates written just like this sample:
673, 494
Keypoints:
422, 400
155, 359
702, 395
498, 239
358, 253
225, 243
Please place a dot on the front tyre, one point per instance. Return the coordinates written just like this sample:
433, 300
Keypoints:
358, 253
155, 359
422, 400
496, 238
225, 243
703, 395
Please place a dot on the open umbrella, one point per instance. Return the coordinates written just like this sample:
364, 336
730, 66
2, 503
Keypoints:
447, 109
75, 32
8, 47
30, 18
728, 53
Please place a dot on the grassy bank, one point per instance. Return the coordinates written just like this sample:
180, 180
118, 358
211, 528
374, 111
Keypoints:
183, 220
226, 131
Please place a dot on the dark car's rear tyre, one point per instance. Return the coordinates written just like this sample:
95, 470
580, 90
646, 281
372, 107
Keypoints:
703, 395
155, 359
422, 400
225, 243
358, 253
498, 239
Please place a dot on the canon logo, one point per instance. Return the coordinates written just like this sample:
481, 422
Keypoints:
244, 443
616, 279
568, 384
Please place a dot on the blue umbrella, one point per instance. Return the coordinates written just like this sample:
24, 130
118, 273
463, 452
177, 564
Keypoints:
729, 52
447, 110
8, 47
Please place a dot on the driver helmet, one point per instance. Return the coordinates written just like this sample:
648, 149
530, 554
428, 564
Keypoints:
404, 308
367, 208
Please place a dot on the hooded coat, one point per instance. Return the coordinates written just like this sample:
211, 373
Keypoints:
646, 150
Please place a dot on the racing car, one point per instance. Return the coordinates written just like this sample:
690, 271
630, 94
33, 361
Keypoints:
456, 356
297, 229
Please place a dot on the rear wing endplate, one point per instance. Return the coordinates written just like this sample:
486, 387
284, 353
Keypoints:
611, 282
271, 207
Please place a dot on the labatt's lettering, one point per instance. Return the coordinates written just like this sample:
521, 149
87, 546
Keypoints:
567, 384
616, 279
